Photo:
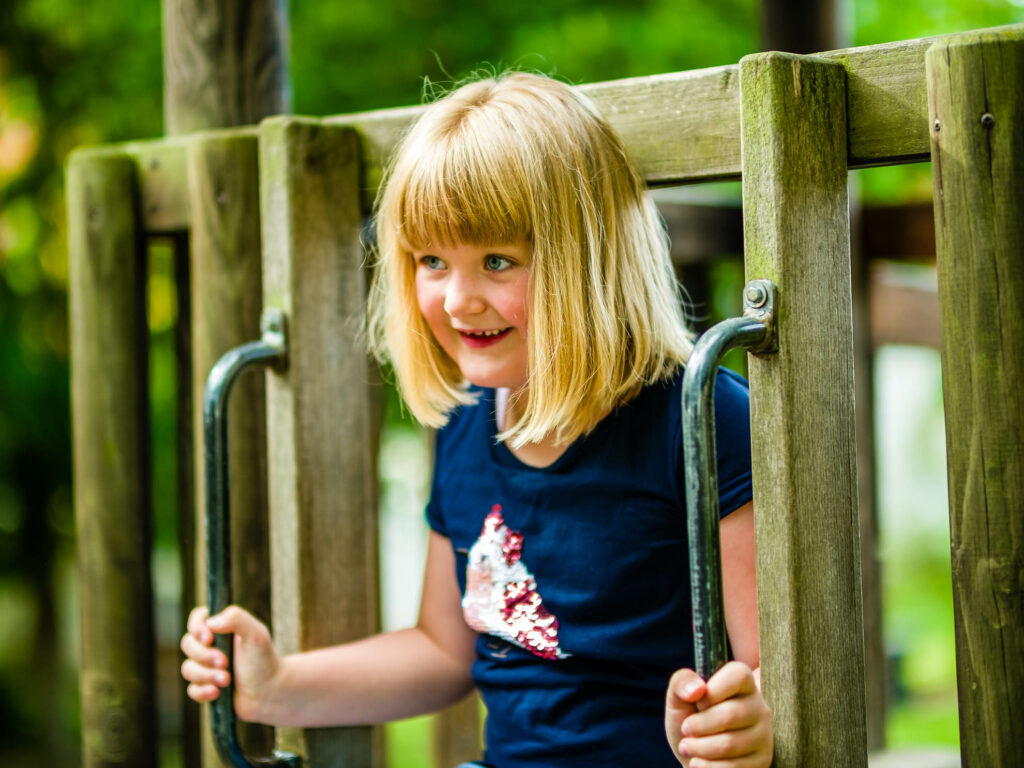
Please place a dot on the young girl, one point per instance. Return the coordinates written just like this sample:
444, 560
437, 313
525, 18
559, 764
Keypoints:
525, 299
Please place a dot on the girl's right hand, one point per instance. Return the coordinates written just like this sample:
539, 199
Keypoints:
205, 667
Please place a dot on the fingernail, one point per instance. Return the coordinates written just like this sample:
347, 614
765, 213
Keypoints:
690, 688
221, 678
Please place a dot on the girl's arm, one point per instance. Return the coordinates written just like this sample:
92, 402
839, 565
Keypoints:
726, 718
385, 677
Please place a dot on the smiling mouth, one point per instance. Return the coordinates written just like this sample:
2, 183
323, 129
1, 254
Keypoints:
483, 338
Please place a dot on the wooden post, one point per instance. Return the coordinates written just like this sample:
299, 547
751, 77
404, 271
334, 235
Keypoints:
191, 723
110, 414
227, 295
875, 665
796, 227
225, 62
455, 734
800, 26
976, 115
322, 473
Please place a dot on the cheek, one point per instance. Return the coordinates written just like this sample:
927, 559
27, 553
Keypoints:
427, 299
517, 303
431, 305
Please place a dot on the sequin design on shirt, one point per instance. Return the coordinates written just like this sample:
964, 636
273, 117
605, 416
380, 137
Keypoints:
501, 596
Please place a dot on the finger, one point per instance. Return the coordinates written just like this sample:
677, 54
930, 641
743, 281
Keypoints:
685, 687
731, 745
204, 654
730, 715
202, 693
196, 625
236, 620
749, 761
195, 672
734, 679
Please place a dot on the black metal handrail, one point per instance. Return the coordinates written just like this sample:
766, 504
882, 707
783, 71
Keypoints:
272, 350
755, 332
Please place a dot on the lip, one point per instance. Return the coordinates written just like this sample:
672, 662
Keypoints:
479, 342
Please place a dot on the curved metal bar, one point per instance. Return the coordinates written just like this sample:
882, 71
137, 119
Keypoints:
753, 331
271, 349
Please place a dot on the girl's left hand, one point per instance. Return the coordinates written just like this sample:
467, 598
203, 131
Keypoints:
723, 723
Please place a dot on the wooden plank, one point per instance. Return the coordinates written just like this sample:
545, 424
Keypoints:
191, 756
456, 733
974, 89
110, 415
685, 127
163, 184
796, 226
681, 127
225, 62
322, 472
227, 296
875, 665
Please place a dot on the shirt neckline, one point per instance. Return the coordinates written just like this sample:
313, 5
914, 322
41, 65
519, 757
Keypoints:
500, 451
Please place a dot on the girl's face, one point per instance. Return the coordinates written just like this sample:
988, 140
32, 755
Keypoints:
474, 299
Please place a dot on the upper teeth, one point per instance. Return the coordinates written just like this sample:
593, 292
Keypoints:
485, 333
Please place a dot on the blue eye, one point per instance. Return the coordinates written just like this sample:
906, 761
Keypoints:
496, 262
431, 262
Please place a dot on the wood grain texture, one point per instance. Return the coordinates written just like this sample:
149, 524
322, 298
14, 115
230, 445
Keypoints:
163, 184
227, 296
191, 728
796, 229
875, 665
680, 127
322, 472
456, 734
110, 444
225, 63
974, 90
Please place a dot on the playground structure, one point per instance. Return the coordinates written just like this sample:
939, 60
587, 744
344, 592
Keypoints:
271, 216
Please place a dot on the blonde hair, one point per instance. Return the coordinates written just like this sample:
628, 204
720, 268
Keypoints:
523, 158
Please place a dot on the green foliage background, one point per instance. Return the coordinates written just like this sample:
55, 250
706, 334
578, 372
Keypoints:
74, 73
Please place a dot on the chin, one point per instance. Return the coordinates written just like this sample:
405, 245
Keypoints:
494, 381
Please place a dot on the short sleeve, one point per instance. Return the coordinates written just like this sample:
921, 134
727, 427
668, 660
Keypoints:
434, 511
732, 441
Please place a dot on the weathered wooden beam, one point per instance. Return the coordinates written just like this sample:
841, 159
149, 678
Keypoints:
875, 666
975, 84
110, 444
685, 127
456, 735
796, 227
227, 296
225, 62
681, 128
322, 479
800, 26
184, 435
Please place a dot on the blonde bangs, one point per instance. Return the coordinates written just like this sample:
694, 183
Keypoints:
466, 182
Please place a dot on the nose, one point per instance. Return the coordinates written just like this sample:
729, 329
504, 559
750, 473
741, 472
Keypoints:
462, 296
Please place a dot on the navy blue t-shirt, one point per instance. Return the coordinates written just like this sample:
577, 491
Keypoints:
576, 574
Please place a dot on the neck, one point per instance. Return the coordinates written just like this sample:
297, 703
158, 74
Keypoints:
542, 453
